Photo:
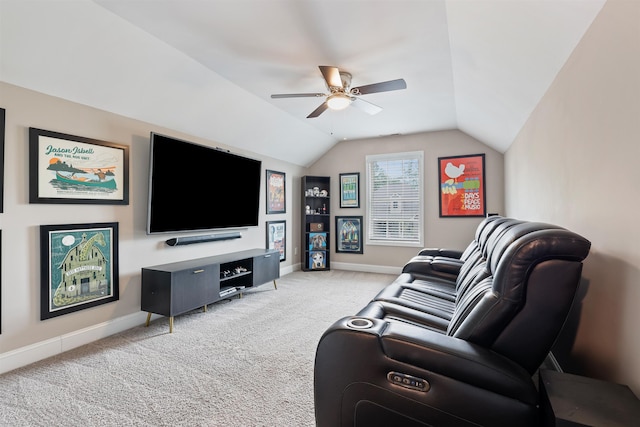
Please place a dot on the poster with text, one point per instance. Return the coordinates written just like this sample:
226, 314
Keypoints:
462, 186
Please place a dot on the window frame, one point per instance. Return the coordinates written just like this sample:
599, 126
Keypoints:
377, 241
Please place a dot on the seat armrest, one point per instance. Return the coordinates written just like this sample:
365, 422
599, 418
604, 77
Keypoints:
440, 267
446, 265
449, 253
457, 359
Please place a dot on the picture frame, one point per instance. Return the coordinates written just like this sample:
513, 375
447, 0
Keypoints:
277, 237
276, 192
79, 267
76, 170
461, 186
2, 130
350, 190
349, 234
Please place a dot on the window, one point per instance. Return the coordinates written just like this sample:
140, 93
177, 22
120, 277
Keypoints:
394, 199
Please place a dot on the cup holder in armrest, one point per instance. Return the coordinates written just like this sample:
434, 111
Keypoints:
359, 323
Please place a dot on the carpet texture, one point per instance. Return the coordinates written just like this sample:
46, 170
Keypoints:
244, 362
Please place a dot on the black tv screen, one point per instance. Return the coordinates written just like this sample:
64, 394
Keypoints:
193, 187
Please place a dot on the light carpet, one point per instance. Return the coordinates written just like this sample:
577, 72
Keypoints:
243, 362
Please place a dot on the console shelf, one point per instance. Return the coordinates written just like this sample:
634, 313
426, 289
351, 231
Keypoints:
176, 288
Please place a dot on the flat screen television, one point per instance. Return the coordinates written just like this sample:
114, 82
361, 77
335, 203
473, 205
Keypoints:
193, 187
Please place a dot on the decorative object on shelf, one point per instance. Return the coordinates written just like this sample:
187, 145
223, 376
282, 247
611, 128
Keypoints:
2, 125
461, 186
79, 267
317, 260
349, 234
73, 169
350, 190
277, 237
317, 241
316, 226
276, 201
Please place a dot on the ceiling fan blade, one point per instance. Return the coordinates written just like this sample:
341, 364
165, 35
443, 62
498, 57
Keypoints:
331, 75
380, 87
366, 106
297, 95
318, 110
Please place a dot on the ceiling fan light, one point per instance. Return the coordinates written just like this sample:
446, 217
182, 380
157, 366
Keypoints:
338, 101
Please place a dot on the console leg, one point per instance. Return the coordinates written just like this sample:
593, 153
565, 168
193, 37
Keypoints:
148, 319
204, 309
171, 324
275, 285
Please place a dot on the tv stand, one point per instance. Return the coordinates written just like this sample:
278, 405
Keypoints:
176, 288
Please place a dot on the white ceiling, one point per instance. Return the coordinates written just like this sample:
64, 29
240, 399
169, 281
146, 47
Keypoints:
208, 67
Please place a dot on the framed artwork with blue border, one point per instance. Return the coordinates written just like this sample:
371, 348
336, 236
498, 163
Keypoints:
350, 190
349, 234
79, 267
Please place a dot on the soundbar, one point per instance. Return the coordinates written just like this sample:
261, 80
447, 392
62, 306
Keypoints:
188, 240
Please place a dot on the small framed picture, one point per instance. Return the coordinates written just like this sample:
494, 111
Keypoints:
79, 267
317, 260
73, 169
2, 121
350, 190
461, 186
277, 237
317, 241
276, 182
349, 234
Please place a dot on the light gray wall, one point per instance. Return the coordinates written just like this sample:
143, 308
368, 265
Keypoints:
455, 233
575, 164
20, 221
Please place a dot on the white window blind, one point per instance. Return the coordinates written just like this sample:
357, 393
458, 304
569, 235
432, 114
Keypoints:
394, 199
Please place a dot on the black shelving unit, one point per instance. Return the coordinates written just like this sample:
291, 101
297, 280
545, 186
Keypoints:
316, 223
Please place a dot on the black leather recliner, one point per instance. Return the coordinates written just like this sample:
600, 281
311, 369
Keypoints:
419, 356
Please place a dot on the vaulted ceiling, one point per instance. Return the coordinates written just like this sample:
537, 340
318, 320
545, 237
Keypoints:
208, 67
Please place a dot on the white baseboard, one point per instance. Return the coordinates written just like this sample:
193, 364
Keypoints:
382, 269
32, 353
41, 350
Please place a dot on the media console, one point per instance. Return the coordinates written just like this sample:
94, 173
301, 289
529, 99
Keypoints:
176, 288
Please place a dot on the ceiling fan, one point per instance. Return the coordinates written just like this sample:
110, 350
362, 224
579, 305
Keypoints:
341, 94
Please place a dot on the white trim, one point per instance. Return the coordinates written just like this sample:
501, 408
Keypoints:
42, 350
382, 269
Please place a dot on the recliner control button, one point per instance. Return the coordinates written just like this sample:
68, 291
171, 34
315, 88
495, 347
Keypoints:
408, 381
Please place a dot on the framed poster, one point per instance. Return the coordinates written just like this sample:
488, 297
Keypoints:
350, 190
461, 186
2, 124
79, 267
276, 192
73, 169
349, 234
277, 237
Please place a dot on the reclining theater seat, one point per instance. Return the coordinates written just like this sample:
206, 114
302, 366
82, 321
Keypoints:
436, 296
465, 362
